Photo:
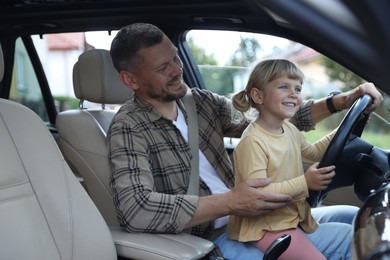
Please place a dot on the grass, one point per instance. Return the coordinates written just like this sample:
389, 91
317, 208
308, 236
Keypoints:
381, 140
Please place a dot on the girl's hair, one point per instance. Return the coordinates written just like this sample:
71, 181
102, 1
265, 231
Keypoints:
262, 74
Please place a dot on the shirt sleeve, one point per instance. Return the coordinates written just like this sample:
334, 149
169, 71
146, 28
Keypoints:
140, 208
313, 152
302, 118
231, 122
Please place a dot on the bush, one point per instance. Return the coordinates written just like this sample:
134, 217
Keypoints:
65, 103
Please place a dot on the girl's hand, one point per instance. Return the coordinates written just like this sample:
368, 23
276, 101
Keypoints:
319, 178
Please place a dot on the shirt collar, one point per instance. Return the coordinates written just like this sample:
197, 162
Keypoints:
153, 115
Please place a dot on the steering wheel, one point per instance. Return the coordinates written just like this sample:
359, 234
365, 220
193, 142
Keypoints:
337, 144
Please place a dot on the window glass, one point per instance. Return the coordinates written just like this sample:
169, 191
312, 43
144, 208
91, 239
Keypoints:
225, 59
58, 54
25, 88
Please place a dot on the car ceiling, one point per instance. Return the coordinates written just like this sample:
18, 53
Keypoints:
354, 33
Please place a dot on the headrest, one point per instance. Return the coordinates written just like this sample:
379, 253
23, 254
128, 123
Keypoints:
1, 64
96, 80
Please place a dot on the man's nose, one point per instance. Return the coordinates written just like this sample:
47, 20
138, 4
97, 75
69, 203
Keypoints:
177, 68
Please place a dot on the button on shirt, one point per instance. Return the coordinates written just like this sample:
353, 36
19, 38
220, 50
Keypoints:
150, 162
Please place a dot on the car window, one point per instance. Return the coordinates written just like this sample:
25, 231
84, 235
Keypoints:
25, 87
225, 59
58, 54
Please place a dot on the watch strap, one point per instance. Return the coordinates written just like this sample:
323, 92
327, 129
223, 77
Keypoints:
329, 102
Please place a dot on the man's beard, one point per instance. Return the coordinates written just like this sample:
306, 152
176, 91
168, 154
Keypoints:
168, 96
173, 97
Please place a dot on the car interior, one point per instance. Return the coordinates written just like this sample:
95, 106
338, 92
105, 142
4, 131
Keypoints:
55, 199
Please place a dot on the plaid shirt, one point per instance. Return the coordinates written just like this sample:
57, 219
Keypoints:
150, 162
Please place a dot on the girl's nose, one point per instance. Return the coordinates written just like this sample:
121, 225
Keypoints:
292, 94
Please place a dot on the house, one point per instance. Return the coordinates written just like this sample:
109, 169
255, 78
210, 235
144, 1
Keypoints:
317, 83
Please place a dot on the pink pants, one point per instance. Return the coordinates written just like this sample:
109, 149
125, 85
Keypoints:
300, 247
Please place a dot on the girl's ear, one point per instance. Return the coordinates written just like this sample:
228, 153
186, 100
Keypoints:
129, 79
257, 96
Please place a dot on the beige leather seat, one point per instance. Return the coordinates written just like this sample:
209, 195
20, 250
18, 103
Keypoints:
83, 143
83, 131
44, 211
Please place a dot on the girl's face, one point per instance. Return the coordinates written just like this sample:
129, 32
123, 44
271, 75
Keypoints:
282, 98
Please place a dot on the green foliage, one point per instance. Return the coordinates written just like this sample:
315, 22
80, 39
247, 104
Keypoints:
370, 134
65, 102
336, 72
220, 79
246, 52
200, 55
381, 140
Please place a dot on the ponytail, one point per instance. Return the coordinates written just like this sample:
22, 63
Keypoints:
241, 101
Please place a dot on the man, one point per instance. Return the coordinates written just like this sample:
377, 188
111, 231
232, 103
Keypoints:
150, 157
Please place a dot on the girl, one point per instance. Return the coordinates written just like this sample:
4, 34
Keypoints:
274, 148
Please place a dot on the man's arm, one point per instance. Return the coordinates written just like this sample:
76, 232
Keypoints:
320, 111
245, 199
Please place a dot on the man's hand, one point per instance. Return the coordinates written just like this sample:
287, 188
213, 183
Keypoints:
319, 178
247, 200
346, 100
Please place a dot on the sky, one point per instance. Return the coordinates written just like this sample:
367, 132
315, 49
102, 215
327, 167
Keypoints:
223, 44
100, 39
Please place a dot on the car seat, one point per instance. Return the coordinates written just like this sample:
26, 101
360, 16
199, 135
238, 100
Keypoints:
82, 135
45, 212
82, 131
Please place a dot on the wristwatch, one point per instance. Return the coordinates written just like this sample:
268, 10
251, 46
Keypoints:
329, 102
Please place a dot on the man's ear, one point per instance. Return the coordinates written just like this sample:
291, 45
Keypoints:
128, 79
257, 95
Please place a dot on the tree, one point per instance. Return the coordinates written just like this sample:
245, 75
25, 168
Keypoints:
350, 80
246, 52
200, 55
336, 72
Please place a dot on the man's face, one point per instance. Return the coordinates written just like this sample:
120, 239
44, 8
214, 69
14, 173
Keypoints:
159, 77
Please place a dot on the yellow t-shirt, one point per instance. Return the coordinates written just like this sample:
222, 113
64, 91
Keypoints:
261, 154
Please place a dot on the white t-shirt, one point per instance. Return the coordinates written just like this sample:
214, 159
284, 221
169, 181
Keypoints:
206, 171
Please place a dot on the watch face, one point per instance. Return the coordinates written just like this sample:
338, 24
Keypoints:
333, 93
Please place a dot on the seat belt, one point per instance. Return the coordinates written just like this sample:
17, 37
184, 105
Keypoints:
193, 142
193, 136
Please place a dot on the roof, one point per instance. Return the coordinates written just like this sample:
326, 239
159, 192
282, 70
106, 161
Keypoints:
299, 53
66, 41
